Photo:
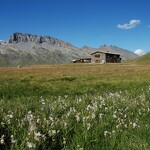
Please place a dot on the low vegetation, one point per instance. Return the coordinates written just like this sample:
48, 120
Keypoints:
144, 59
75, 107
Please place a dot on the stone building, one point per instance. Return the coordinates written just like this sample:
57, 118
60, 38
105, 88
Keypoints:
102, 57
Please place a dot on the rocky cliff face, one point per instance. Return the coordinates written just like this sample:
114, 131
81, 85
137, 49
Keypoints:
28, 49
19, 37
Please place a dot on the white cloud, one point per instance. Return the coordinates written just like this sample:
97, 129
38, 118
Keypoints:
131, 24
1, 40
139, 52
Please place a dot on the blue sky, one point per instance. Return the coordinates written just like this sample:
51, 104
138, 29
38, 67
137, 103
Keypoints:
124, 23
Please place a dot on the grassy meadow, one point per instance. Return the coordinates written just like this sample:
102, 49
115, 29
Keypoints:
75, 107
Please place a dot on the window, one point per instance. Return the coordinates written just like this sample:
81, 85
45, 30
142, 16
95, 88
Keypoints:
97, 55
97, 61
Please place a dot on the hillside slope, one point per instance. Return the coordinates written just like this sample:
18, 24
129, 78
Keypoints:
145, 59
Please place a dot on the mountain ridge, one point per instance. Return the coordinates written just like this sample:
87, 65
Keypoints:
28, 49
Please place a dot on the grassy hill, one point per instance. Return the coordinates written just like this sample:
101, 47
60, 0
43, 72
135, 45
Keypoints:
145, 59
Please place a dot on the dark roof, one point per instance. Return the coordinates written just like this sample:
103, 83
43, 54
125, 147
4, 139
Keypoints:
104, 53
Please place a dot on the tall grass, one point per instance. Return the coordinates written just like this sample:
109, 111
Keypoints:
90, 107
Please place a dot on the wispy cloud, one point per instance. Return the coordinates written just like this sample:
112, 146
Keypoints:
139, 52
132, 24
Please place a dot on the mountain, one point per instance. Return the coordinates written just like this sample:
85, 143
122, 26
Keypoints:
28, 49
125, 54
143, 60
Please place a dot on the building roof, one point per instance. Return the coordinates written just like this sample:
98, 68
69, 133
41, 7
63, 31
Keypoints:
104, 53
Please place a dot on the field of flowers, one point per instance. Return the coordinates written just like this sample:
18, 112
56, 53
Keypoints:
75, 108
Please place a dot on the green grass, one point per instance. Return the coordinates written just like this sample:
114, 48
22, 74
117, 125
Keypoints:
145, 59
75, 107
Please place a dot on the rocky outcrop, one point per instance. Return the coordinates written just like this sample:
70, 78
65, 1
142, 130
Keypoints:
19, 37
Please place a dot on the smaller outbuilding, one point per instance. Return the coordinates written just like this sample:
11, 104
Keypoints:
82, 60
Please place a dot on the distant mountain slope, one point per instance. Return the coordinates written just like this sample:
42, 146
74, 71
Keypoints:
145, 59
125, 54
28, 49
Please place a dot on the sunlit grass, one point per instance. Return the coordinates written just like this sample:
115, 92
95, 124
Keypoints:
75, 106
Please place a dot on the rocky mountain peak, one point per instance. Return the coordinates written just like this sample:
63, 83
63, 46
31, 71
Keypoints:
20, 37
86, 47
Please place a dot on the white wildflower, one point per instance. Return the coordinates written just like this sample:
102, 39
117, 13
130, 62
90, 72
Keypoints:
32, 126
30, 145
77, 118
38, 136
51, 118
65, 96
134, 125
88, 126
88, 108
2, 124
101, 98
64, 141
79, 147
10, 116
29, 112
38, 120
2, 140
105, 133
43, 103
30, 116
101, 115
100, 106
114, 116
113, 131
12, 139
119, 119
117, 126
93, 115
52, 132
65, 125
106, 108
